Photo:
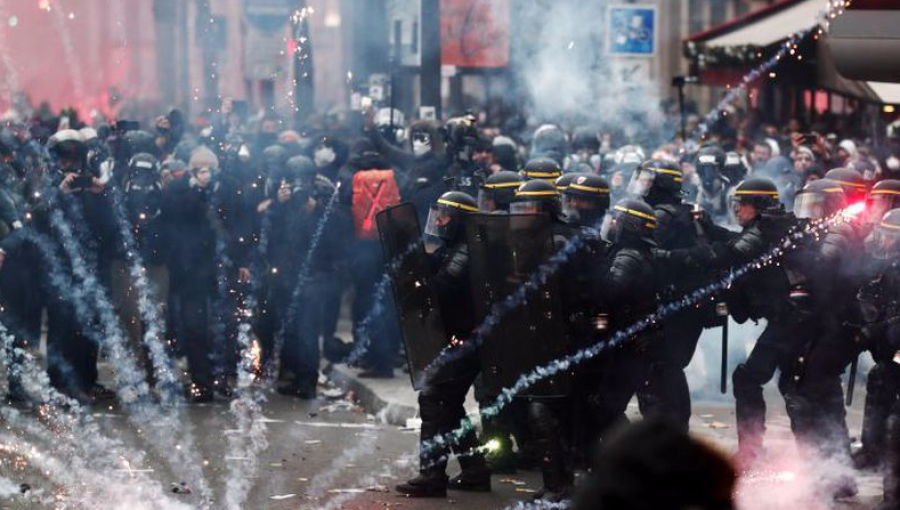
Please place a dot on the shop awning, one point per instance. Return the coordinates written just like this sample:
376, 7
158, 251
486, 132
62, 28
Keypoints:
777, 22
888, 93
766, 26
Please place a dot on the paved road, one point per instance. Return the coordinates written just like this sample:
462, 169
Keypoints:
329, 454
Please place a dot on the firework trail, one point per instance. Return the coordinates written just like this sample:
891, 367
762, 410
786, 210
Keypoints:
161, 426
788, 243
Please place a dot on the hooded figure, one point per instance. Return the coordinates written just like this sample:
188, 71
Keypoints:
423, 169
329, 155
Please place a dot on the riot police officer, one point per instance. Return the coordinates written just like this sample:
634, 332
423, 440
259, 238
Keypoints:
761, 293
823, 305
441, 401
714, 184
535, 197
541, 168
883, 197
627, 293
557, 423
880, 306
667, 393
853, 183
498, 191
585, 199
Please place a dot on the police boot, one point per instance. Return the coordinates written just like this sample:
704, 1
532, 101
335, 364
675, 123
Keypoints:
892, 465
475, 476
875, 416
429, 484
750, 410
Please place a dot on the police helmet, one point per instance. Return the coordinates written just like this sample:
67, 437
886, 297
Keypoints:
819, 199
586, 199
735, 168
656, 180
760, 192
854, 184
634, 220
709, 163
536, 196
563, 181
883, 197
542, 168
499, 190
445, 217
884, 241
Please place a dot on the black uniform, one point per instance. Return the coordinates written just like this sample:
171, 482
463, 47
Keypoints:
667, 392
761, 294
441, 401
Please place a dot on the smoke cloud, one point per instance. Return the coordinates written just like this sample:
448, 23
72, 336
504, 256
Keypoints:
567, 74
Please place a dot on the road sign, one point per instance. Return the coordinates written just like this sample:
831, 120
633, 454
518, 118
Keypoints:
632, 30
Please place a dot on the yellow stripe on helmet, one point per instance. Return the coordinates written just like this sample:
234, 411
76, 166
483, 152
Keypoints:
751, 192
669, 171
884, 192
502, 185
591, 189
536, 193
848, 183
888, 225
639, 214
541, 174
457, 205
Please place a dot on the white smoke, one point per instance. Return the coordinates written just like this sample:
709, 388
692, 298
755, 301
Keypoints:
568, 75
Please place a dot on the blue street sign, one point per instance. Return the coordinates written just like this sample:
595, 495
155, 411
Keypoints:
632, 30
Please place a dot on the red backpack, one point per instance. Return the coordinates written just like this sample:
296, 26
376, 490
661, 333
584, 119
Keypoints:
373, 192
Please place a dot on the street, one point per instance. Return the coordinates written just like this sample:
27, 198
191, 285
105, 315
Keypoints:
331, 454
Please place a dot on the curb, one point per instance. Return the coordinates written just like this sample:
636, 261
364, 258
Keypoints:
391, 413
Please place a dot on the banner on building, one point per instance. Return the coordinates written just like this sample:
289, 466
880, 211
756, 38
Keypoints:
475, 33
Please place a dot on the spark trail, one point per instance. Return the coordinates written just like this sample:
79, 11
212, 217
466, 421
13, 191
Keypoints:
513, 300
162, 428
790, 48
303, 278
167, 384
786, 244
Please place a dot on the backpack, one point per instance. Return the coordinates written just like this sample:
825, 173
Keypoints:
373, 192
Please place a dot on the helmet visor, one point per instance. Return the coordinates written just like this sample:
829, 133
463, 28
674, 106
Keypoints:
486, 201
527, 207
578, 208
879, 204
641, 182
884, 242
440, 223
810, 206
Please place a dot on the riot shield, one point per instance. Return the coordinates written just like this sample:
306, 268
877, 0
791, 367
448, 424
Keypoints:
505, 251
417, 305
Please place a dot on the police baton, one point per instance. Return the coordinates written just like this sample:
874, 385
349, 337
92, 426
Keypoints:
722, 311
851, 381
854, 368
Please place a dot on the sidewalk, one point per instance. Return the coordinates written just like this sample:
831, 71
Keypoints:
393, 400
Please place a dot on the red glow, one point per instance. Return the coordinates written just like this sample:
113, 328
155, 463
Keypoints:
854, 210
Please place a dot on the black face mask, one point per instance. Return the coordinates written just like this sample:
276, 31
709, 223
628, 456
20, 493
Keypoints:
585, 217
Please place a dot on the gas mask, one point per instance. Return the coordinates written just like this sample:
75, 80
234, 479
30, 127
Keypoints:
324, 156
421, 144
